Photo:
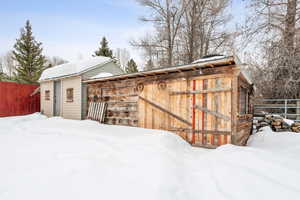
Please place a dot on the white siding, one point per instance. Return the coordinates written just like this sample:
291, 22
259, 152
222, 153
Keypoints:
47, 105
111, 67
71, 110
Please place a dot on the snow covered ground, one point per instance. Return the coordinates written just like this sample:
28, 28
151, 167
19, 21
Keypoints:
52, 158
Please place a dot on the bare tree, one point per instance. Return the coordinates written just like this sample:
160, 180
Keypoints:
203, 31
55, 60
274, 24
152, 49
8, 64
123, 56
184, 30
166, 16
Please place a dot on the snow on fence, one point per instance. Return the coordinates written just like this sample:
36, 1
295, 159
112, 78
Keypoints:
17, 99
287, 108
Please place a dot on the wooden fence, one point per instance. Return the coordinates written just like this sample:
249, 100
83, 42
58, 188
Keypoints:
16, 99
288, 108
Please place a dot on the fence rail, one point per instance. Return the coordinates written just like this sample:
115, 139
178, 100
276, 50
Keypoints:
288, 108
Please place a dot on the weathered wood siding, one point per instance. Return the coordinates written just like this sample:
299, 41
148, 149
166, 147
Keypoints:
200, 107
243, 121
47, 105
121, 97
212, 97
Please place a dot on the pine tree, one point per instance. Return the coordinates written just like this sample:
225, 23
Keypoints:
131, 67
28, 54
104, 49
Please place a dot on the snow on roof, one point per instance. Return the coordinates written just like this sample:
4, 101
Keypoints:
102, 74
74, 68
208, 59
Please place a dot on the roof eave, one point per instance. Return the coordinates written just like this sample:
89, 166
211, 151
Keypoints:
163, 70
77, 74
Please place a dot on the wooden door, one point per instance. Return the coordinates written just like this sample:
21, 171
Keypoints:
211, 111
199, 110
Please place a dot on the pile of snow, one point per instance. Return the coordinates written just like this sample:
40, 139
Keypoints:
66, 159
268, 168
102, 75
288, 121
74, 68
53, 158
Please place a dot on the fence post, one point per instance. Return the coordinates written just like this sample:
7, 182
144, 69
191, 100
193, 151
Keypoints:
298, 110
285, 108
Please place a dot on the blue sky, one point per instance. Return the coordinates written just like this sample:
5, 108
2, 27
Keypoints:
72, 29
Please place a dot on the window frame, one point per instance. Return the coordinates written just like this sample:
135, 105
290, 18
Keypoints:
70, 95
47, 95
243, 110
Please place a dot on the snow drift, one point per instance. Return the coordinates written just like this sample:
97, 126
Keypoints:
54, 158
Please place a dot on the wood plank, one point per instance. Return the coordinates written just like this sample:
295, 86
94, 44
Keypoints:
120, 95
148, 112
228, 104
200, 131
215, 113
205, 116
166, 111
214, 90
198, 113
122, 118
208, 146
234, 107
193, 110
210, 106
116, 102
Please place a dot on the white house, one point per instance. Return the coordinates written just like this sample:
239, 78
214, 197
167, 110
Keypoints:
62, 91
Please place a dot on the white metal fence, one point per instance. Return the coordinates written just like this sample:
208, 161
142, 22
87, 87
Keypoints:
288, 108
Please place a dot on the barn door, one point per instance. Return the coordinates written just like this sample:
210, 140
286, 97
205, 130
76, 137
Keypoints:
211, 111
198, 110
57, 98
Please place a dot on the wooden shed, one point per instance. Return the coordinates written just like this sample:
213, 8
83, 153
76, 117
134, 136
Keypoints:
207, 102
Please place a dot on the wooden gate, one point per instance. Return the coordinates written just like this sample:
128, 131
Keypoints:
199, 109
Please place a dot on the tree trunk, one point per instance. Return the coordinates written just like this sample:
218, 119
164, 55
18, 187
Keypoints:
170, 45
290, 22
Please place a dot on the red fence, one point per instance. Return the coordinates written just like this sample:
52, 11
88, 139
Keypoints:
16, 99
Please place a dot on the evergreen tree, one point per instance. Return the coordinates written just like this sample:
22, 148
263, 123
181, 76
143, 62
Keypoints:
28, 54
104, 49
131, 67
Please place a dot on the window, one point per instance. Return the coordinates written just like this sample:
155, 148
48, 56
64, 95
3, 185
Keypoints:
47, 95
70, 95
244, 101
